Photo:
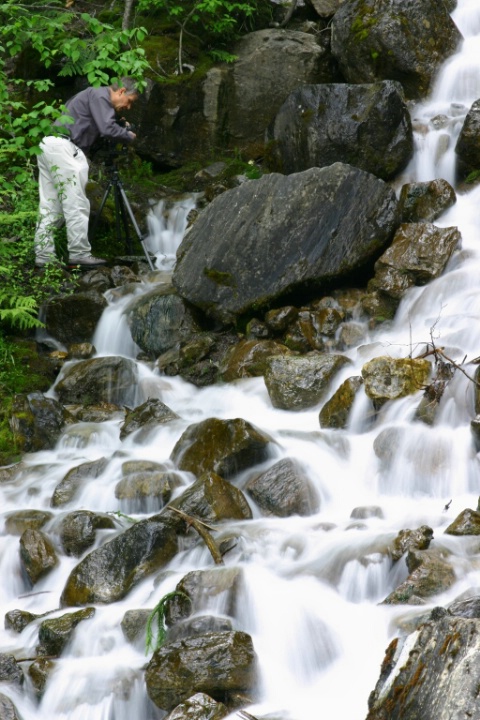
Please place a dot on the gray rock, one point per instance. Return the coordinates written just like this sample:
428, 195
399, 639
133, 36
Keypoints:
68, 487
37, 421
199, 707
394, 41
279, 234
297, 383
73, 318
284, 490
37, 554
55, 633
367, 126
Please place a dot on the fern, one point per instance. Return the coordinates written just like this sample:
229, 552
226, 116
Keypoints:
159, 612
21, 310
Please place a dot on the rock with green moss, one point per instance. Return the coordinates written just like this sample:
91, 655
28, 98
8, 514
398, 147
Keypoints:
147, 416
212, 499
225, 447
430, 574
336, 411
218, 664
55, 633
299, 382
78, 530
17, 522
405, 41
386, 378
39, 672
67, 489
109, 379
248, 358
36, 421
466, 523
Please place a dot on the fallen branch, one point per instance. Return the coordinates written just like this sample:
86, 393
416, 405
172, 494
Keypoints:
203, 530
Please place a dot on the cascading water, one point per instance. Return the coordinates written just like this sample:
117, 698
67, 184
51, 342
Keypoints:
311, 585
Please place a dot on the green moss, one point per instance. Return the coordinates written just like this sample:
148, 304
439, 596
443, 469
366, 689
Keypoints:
220, 278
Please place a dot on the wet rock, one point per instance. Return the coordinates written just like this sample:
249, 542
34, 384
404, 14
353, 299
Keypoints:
146, 416
433, 393
467, 607
78, 530
74, 480
475, 428
318, 125
95, 413
17, 620
212, 499
36, 421
303, 225
476, 390
297, 383
55, 633
351, 334
391, 41
10, 670
161, 320
8, 711
424, 675
81, 351
336, 411
425, 201
387, 378
249, 357
387, 445
39, 672
17, 522
225, 447
418, 254
418, 539
278, 320
147, 491
107, 379
467, 523
364, 512
430, 574
199, 707
214, 589
199, 625
379, 307
325, 8
467, 148
284, 490
134, 625
73, 318
218, 664
37, 554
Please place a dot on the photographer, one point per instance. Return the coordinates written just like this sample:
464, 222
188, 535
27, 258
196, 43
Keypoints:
63, 168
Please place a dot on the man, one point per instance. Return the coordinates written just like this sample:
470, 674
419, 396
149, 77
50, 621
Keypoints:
63, 169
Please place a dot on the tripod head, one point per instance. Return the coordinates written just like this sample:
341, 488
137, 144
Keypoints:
109, 149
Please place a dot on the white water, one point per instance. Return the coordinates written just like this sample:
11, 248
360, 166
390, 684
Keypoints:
310, 596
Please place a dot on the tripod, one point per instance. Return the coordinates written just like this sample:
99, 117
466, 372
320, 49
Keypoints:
123, 210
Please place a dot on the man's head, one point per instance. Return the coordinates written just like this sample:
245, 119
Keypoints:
123, 94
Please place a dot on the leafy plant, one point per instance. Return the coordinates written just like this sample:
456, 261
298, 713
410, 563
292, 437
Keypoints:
158, 613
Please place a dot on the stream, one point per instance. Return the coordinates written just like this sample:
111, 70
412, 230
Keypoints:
312, 586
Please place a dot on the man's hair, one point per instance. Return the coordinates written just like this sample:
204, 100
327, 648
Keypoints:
129, 84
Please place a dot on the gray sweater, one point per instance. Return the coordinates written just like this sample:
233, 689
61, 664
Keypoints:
94, 116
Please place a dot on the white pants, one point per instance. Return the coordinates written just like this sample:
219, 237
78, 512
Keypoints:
63, 175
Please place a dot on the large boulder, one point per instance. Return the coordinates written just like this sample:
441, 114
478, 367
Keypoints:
404, 40
109, 572
219, 664
279, 234
432, 674
367, 126
297, 58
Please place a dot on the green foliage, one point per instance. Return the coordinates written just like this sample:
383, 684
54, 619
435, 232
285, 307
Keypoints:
158, 612
22, 289
218, 22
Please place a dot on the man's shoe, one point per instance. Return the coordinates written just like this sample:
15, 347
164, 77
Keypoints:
87, 260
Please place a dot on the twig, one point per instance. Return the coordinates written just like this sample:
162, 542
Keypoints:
37, 657
203, 530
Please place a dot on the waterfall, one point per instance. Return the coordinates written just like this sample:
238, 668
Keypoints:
311, 585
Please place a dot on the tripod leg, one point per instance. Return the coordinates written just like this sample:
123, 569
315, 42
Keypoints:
127, 207
120, 214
